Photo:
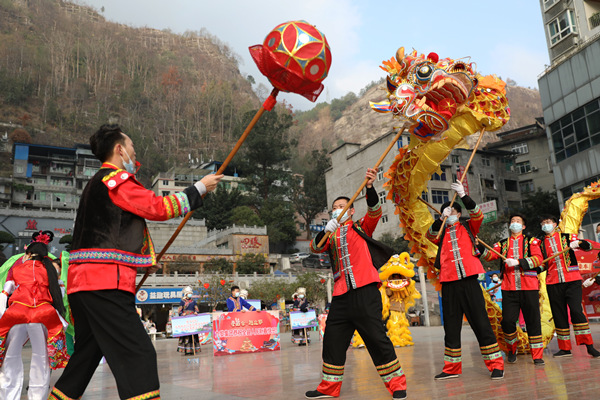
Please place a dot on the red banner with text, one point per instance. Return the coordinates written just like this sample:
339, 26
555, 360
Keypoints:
245, 332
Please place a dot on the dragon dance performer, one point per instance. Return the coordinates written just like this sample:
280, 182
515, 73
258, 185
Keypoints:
458, 264
110, 241
520, 287
33, 314
356, 304
563, 283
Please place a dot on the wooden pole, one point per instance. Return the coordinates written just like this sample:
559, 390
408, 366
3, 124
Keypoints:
362, 186
237, 146
462, 178
490, 248
555, 255
429, 205
494, 287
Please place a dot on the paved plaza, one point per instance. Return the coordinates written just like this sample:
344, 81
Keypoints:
288, 373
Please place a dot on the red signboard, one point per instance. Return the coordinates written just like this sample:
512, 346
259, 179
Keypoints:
245, 332
588, 266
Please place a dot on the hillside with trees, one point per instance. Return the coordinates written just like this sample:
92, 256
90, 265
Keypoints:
64, 70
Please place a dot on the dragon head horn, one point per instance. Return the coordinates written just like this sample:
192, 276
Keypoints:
400, 54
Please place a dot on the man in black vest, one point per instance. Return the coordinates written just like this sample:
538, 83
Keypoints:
110, 241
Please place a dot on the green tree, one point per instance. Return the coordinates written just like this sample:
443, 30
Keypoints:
309, 193
399, 244
278, 216
315, 285
244, 215
218, 266
217, 208
67, 240
267, 153
270, 289
250, 263
535, 205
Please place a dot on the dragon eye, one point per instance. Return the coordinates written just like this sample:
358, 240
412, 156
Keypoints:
424, 72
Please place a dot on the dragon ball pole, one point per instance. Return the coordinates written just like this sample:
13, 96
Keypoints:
362, 186
462, 178
221, 170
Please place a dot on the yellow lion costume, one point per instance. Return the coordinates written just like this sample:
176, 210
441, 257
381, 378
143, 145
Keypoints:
398, 293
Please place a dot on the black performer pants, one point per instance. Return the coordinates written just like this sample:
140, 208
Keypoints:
107, 324
360, 310
465, 297
562, 295
527, 301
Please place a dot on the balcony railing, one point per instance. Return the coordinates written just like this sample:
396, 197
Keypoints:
594, 20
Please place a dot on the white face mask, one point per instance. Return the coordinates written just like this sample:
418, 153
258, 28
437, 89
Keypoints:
301, 296
129, 166
452, 219
548, 228
336, 213
515, 227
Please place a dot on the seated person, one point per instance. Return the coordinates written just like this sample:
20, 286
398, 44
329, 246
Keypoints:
236, 303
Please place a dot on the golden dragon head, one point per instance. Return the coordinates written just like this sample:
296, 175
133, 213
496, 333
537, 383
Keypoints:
429, 92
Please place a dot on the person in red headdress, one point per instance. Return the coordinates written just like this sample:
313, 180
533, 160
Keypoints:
34, 313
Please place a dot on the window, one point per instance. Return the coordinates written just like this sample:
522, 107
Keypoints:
380, 173
382, 197
424, 196
441, 177
489, 184
384, 219
166, 183
439, 196
19, 170
302, 226
520, 148
527, 186
562, 26
577, 131
165, 194
455, 159
549, 3
486, 162
523, 167
511, 186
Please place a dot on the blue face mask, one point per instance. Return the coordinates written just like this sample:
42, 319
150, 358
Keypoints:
336, 213
548, 228
236, 294
452, 219
515, 227
129, 166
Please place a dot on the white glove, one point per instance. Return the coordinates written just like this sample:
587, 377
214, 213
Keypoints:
458, 188
201, 187
447, 212
588, 282
574, 244
3, 301
332, 225
511, 262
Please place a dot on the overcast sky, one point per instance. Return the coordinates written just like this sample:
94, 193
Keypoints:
503, 38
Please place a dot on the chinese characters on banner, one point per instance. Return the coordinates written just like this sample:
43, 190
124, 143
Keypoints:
158, 296
588, 266
245, 332
191, 324
300, 320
